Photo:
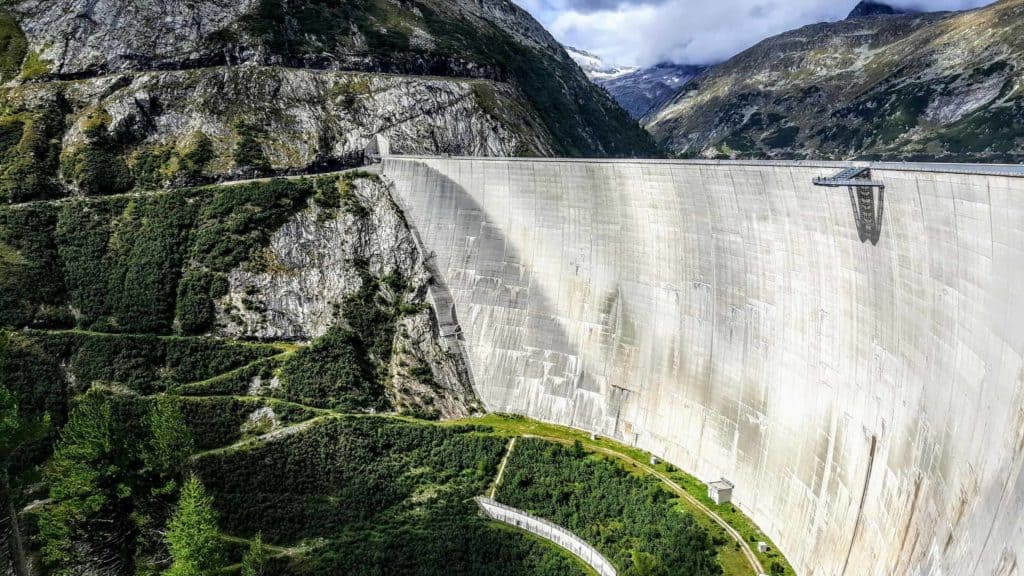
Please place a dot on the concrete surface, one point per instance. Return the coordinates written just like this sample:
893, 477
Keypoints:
865, 397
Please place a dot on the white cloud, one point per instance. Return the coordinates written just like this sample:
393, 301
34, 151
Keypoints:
644, 32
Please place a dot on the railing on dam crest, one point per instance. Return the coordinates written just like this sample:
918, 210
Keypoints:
549, 531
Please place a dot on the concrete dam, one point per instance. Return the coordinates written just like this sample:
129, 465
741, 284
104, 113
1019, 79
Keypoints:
852, 362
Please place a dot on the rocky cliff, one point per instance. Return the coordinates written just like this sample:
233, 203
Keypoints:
296, 289
944, 86
647, 89
105, 96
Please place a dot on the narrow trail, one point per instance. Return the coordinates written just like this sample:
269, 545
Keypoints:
371, 168
748, 552
262, 438
275, 549
501, 468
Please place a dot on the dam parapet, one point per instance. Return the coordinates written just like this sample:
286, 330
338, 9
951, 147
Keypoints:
860, 382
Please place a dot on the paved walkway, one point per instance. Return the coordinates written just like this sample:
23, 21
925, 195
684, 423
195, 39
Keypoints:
549, 531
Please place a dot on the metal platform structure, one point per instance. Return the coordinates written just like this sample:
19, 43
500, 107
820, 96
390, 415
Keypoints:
853, 176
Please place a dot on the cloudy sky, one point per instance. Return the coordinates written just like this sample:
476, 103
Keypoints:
643, 32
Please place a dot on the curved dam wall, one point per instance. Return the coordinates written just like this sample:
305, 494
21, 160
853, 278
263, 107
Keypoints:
861, 387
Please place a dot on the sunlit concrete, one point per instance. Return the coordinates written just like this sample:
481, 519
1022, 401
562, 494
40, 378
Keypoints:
865, 398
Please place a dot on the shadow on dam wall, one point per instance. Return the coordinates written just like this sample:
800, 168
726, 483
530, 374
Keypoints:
862, 386
489, 287
868, 212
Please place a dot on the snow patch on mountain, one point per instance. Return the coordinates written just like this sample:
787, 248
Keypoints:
595, 67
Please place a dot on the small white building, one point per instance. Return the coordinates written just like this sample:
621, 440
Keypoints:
762, 547
720, 491
654, 460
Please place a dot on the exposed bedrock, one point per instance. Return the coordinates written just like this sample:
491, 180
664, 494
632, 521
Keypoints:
866, 398
320, 257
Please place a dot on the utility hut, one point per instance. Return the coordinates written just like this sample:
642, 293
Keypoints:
720, 491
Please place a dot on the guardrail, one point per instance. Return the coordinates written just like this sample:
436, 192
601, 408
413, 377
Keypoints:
1012, 170
549, 531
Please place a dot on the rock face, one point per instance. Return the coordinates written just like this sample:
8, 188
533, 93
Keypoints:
310, 266
945, 86
434, 76
866, 8
320, 257
300, 119
88, 37
647, 89
865, 398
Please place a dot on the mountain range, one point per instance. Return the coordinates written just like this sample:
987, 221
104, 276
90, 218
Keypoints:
939, 86
640, 90
882, 83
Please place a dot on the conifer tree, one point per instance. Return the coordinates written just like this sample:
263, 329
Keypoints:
255, 560
170, 442
192, 533
81, 476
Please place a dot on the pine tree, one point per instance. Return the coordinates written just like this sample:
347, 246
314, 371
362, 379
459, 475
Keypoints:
81, 476
15, 429
255, 560
170, 441
192, 533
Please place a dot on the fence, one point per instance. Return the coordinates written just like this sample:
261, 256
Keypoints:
548, 531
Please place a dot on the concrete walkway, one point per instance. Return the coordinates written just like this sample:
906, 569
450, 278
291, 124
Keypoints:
549, 531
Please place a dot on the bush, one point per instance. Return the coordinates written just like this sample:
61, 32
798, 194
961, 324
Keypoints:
13, 46
249, 153
134, 264
632, 520
29, 161
97, 166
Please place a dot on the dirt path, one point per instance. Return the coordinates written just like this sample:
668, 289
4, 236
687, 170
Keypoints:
262, 438
501, 468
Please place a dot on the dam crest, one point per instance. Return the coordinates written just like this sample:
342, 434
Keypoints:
859, 382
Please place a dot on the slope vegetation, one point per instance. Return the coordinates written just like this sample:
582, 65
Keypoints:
945, 86
181, 93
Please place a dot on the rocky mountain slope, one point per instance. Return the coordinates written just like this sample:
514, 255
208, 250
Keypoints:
638, 90
867, 8
174, 92
944, 86
647, 89
595, 67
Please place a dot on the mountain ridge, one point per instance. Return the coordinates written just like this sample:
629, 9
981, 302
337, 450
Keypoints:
931, 86
266, 87
867, 8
